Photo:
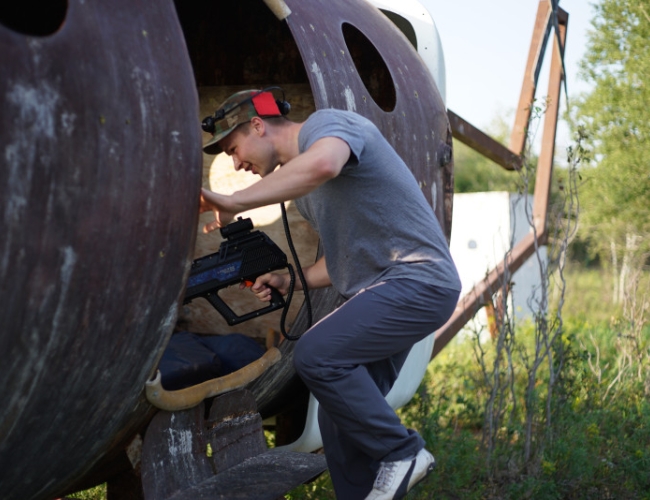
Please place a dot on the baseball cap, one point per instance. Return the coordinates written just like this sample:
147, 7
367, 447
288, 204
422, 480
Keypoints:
237, 109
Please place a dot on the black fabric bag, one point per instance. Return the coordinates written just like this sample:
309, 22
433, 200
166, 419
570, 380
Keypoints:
190, 359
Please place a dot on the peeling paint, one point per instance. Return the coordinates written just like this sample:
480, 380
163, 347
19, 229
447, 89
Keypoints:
17, 199
349, 99
34, 110
142, 81
315, 69
145, 92
67, 123
36, 106
67, 268
35, 47
169, 320
180, 442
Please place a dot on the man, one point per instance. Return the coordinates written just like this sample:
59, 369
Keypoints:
383, 250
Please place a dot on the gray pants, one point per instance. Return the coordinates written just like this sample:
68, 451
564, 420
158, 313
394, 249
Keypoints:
350, 359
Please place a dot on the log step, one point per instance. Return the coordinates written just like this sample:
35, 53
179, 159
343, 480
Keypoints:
267, 476
217, 450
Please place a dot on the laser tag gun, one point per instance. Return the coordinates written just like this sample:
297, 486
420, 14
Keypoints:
242, 257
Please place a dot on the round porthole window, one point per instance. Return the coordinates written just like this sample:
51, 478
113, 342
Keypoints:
371, 67
33, 17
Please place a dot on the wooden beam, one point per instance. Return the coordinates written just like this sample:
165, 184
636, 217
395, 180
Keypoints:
482, 292
531, 74
545, 162
478, 140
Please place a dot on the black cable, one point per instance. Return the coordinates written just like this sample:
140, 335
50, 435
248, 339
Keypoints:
287, 303
287, 232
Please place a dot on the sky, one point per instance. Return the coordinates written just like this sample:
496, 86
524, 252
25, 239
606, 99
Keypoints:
486, 45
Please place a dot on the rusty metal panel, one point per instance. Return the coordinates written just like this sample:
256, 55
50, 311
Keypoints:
417, 126
99, 176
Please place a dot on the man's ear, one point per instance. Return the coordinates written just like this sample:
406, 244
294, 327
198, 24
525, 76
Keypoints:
257, 125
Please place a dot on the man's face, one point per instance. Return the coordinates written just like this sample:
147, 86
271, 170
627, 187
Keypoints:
249, 151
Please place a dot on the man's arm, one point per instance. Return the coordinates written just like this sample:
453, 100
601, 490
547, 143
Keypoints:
301, 175
316, 275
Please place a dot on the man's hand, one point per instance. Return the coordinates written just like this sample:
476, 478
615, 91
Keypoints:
316, 276
261, 287
215, 202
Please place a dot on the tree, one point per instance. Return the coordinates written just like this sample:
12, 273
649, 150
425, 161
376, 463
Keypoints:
473, 172
615, 197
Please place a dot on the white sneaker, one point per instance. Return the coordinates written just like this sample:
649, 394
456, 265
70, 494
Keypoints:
395, 479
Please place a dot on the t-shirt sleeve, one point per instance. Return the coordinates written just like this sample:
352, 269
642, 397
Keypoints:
327, 124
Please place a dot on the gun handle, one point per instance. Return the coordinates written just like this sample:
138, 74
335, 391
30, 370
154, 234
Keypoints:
277, 302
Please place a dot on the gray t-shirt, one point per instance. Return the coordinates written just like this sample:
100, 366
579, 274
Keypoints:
373, 220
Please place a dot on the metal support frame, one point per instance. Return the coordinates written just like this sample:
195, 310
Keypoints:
483, 143
473, 137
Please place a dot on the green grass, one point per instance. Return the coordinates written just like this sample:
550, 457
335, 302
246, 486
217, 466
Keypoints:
96, 493
589, 295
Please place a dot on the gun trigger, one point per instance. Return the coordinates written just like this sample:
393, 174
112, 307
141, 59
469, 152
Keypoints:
248, 283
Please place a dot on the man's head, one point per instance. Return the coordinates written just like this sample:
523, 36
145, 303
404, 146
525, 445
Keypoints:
239, 109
